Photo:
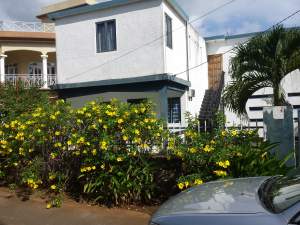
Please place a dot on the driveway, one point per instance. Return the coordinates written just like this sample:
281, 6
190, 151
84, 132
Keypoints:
14, 211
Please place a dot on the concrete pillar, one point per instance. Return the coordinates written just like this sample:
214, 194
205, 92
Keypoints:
163, 95
279, 128
298, 149
2, 68
45, 71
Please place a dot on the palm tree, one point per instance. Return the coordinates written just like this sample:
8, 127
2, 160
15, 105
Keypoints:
263, 62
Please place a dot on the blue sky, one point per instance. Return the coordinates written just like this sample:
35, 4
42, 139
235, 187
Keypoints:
242, 16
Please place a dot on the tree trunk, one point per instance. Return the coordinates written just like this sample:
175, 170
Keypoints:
277, 95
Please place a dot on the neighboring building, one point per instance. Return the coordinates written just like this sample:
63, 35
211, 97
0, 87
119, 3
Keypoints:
218, 51
27, 53
130, 50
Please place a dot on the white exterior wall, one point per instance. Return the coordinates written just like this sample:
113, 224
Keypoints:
175, 58
198, 70
290, 84
136, 25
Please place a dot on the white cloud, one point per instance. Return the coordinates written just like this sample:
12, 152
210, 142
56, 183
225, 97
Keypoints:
241, 16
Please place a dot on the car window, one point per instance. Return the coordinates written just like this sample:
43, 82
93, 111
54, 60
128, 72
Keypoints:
285, 192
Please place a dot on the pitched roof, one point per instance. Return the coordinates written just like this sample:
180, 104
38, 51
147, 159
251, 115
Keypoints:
86, 8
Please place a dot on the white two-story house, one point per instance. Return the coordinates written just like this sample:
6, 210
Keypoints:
131, 50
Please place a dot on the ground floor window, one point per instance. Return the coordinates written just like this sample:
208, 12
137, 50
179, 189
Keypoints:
174, 110
11, 69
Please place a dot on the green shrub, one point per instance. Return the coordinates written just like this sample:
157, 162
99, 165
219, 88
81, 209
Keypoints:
17, 99
103, 147
224, 154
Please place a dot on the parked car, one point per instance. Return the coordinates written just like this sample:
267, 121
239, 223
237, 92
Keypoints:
246, 201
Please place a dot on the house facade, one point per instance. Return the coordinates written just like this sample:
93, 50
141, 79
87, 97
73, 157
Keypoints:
131, 50
218, 47
27, 53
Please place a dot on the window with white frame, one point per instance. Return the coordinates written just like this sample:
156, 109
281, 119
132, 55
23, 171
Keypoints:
106, 36
169, 31
174, 110
11, 69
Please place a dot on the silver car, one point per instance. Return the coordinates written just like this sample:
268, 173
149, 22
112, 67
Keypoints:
246, 201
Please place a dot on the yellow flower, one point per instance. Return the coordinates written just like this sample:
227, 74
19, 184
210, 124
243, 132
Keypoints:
234, 133
120, 121
79, 121
119, 159
192, 150
53, 155
52, 177
103, 145
137, 132
53, 117
103, 166
180, 186
48, 206
69, 142
198, 182
93, 167
125, 138
220, 173
224, 133
250, 132
57, 133
105, 127
88, 115
53, 186
208, 148
224, 164
179, 154
143, 109
186, 183
94, 152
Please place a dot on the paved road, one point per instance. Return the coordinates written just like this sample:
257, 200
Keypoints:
13, 211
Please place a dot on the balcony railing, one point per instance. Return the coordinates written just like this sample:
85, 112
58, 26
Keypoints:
30, 80
26, 26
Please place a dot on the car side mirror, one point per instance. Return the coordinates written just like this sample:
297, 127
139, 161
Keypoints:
295, 220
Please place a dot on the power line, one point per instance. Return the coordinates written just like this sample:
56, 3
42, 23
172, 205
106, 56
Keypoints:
245, 42
154, 40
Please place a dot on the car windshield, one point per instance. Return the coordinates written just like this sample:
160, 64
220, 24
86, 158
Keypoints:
280, 193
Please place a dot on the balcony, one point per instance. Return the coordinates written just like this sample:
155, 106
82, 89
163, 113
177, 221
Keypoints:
31, 80
21, 26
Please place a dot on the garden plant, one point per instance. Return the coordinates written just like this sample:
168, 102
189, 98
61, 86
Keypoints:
106, 153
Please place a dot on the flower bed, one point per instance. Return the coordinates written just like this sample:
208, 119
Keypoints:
106, 153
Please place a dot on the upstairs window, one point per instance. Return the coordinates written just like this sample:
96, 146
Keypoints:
106, 36
169, 31
174, 110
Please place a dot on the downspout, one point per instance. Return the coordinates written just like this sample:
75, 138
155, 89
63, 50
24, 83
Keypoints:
187, 52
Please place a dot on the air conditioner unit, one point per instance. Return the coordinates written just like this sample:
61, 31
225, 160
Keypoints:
192, 93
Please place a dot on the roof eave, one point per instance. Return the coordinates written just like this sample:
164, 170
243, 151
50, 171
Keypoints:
134, 80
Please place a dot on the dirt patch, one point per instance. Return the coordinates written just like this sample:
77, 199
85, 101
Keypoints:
16, 211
